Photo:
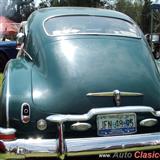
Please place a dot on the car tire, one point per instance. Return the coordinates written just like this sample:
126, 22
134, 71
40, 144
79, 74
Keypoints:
3, 61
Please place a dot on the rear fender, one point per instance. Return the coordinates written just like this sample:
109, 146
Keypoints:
16, 89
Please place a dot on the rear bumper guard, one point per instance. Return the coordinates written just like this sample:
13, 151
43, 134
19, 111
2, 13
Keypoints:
85, 146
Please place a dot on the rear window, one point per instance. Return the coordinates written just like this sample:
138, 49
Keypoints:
68, 25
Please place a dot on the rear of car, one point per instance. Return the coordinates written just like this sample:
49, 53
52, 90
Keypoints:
92, 88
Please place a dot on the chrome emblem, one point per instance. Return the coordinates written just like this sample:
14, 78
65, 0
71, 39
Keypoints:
117, 97
116, 94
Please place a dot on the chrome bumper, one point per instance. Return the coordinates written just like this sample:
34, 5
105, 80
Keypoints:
62, 147
22, 148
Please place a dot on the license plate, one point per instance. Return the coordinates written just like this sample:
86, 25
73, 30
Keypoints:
116, 124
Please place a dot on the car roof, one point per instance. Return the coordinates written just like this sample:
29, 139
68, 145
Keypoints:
64, 11
7, 43
37, 18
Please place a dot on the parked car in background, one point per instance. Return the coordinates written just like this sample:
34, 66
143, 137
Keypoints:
84, 83
7, 51
154, 42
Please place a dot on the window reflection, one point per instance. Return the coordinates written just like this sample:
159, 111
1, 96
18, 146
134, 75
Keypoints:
68, 25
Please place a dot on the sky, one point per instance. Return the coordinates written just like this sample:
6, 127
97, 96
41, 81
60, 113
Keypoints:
37, 2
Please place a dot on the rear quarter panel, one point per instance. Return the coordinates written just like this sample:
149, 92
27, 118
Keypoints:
16, 89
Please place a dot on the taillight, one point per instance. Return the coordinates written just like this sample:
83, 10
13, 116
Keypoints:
2, 147
25, 113
7, 137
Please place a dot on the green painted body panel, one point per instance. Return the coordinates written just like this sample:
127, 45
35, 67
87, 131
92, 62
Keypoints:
71, 77
64, 69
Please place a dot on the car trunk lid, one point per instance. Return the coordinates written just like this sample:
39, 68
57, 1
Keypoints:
79, 67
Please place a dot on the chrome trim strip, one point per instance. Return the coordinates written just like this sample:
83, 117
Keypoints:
60, 118
7, 100
110, 94
83, 146
27, 54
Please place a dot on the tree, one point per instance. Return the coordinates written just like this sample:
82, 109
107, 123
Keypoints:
125, 6
3, 5
44, 4
19, 10
138, 6
131, 8
156, 21
82, 3
146, 16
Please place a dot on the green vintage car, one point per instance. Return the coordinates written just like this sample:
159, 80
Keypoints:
85, 82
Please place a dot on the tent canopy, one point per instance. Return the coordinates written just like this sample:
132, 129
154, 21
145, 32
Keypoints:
156, 4
8, 27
